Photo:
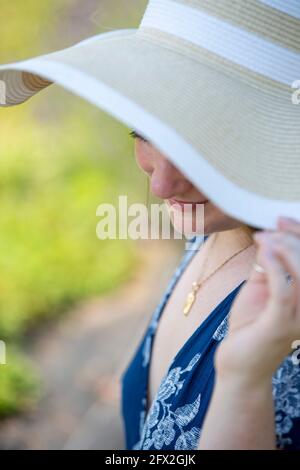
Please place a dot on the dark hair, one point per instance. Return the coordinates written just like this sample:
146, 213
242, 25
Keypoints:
251, 229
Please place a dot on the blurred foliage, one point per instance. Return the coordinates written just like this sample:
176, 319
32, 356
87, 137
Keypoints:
20, 384
59, 159
50, 255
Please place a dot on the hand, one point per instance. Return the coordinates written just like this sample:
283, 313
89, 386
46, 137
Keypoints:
265, 316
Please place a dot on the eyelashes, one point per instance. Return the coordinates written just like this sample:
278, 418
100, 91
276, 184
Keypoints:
135, 135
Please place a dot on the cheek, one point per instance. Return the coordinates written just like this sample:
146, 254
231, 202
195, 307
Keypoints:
143, 160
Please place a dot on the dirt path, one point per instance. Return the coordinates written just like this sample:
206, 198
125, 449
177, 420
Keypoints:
81, 358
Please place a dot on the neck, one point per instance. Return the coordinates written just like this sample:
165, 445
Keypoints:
230, 240
226, 243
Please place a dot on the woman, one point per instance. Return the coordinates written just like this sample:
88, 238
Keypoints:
263, 320
210, 89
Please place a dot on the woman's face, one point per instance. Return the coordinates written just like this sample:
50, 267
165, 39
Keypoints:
169, 184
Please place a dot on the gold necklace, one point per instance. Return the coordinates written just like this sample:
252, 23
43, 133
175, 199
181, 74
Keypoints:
191, 297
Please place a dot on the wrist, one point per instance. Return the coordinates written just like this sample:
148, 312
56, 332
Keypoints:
243, 382
243, 369
240, 415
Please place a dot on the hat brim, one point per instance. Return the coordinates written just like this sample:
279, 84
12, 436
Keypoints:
213, 126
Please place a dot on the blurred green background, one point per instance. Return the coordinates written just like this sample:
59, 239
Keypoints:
60, 158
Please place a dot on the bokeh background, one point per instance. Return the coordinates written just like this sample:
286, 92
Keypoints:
72, 307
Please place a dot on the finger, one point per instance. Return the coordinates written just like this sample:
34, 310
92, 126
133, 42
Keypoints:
288, 242
287, 247
289, 253
279, 236
290, 259
282, 300
291, 225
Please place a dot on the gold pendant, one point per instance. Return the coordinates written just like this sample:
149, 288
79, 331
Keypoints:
190, 299
189, 302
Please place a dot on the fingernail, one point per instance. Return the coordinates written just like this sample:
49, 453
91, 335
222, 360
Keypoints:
286, 220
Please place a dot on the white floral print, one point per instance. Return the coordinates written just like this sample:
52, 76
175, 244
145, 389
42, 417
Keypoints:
168, 423
286, 393
222, 329
188, 440
164, 433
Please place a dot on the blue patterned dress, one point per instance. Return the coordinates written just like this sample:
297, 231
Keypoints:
176, 415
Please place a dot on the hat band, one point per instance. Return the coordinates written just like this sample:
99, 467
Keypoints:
290, 7
223, 39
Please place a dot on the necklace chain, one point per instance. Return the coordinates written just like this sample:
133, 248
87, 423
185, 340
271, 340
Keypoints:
191, 297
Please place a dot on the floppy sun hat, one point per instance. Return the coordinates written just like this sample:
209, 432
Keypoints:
213, 84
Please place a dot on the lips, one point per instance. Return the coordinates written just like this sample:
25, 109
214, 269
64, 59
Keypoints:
184, 203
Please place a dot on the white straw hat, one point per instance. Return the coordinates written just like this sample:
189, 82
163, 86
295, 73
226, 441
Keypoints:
213, 84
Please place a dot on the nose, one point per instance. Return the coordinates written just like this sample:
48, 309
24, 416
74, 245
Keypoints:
167, 181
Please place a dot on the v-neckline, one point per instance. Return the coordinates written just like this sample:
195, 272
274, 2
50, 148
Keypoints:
187, 342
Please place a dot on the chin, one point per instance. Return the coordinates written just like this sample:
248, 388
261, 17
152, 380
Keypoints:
188, 225
207, 220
